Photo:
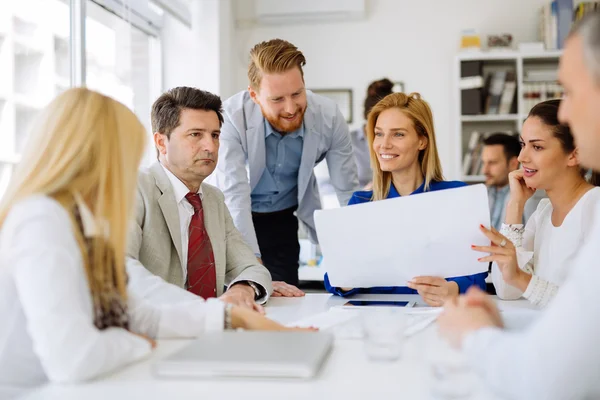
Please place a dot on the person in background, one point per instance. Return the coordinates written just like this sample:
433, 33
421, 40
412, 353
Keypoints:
183, 232
405, 162
536, 261
274, 135
557, 356
500, 157
67, 312
376, 91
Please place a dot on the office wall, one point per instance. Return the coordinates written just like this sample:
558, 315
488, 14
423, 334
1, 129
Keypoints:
200, 56
414, 41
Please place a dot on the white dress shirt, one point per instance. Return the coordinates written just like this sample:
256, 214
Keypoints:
46, 308
186, 211
558, 356
547, 251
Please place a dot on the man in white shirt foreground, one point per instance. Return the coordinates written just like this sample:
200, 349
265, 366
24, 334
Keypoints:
558, 356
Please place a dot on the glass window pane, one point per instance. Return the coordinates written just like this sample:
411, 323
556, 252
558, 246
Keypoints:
119, 60
34, 67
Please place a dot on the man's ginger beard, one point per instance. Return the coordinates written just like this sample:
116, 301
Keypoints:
276, 121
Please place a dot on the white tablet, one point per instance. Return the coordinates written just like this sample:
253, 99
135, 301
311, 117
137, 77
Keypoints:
377, 303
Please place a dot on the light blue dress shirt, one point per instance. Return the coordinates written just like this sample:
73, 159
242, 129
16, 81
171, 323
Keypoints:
277, 188
497, 198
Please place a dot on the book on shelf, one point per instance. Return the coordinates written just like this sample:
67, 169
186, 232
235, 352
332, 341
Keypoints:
584, 8
468, 157
536, 92
555, 23
471, 87
540, 75
494, 95
508, 94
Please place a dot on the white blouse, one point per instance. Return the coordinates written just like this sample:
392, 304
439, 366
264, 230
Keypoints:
546, 251
46, 311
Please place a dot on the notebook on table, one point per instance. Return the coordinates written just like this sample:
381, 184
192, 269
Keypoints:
249, 354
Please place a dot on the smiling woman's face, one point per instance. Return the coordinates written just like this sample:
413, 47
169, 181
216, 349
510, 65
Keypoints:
397, 143
542, 156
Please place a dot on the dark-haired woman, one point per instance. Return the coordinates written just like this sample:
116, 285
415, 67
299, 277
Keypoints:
532, 260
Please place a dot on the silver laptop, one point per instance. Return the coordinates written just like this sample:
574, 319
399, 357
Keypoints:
249, 354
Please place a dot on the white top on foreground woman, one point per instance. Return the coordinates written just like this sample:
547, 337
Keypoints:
65, 309
557, 356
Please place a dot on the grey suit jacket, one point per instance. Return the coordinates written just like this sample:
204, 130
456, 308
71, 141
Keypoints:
242, 159
154, 239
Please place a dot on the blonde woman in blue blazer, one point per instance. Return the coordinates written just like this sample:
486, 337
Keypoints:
405, 162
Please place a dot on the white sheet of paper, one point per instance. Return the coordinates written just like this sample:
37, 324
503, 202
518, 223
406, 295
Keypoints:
346, 323
326, 319
387, 243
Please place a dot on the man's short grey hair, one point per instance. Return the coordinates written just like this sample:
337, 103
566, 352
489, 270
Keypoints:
589, 30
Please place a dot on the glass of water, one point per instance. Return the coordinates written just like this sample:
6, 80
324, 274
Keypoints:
383, 329
451, 376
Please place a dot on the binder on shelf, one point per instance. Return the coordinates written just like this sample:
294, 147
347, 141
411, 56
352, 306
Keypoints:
508, 94
549, 26
495, 92
564, 20
471, 85
586, 7
555, 22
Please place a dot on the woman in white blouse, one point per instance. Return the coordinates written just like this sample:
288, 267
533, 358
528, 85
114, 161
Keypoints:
534, 259
65, 309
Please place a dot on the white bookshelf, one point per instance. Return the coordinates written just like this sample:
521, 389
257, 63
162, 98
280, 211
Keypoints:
517, 61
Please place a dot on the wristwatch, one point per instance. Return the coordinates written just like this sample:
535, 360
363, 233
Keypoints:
227, 317
257, 291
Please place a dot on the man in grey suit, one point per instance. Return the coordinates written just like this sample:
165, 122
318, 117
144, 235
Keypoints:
273, 136
183, 232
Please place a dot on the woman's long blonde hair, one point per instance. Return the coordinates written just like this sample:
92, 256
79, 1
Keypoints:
84, 142
419, 112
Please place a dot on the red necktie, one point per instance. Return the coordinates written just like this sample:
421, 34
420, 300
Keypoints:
202, 279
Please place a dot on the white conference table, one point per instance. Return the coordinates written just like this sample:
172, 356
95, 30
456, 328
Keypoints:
346, 374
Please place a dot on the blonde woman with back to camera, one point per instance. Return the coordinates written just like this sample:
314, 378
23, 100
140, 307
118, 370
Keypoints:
66, 312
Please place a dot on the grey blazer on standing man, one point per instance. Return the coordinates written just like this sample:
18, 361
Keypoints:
242, 159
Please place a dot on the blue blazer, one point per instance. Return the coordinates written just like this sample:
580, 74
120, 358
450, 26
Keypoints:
463, 282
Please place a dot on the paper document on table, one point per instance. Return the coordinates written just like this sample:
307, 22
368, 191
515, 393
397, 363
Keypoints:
387, 243
346, 324
326, 319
